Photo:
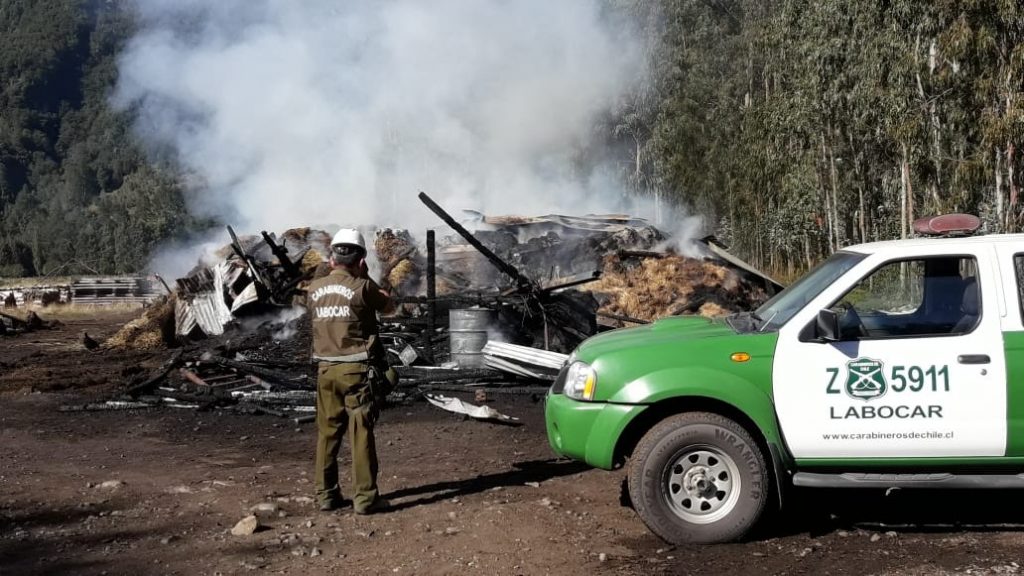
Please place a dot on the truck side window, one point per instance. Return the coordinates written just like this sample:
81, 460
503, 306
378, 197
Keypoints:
932, 296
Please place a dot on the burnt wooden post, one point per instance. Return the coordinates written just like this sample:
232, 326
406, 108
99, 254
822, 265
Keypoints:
431, 296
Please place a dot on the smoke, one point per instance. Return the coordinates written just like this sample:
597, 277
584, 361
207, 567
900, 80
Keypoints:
176, 259
282, 323
320, 113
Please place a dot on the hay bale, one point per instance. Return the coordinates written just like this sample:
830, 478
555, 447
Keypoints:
392, 245
298, 239
311, 261
404, 277
151, 331
651, 288
712, 310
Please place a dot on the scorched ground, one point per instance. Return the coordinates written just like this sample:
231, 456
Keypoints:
157, 491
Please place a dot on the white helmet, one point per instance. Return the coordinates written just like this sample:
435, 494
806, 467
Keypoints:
348, 237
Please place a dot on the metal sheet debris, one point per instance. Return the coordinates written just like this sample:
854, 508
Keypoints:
247, 296
515, 369
459, 407
527, 355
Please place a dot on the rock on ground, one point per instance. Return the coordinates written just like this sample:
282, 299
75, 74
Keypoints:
246, 526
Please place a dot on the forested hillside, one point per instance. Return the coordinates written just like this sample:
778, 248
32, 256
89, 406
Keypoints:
794, 126
807, 125
75, 190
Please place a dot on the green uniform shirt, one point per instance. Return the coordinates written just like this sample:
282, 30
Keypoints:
344, 310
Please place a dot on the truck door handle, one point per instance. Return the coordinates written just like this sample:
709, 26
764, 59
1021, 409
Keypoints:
973, 359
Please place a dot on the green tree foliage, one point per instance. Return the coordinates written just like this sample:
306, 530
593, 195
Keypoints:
795, 126
74, 185
801, 126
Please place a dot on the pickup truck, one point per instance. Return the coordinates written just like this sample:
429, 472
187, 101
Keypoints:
891, 364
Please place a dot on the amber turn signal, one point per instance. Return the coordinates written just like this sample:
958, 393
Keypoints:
740, 357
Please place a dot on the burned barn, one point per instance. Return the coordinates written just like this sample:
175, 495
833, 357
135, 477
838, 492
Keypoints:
486, 303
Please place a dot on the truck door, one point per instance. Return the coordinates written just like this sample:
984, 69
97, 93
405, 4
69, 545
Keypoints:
1011, 261
918, 371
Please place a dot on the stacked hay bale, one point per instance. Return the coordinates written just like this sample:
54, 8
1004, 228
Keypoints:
649, 288
398, 256
151, 331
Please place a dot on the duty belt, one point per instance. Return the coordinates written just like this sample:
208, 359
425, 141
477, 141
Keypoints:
360, 357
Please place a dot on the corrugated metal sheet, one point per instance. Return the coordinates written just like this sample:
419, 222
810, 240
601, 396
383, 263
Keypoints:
526, 355
591, 223
207, 310
184, 318
220, 273
207, 313
523, 360
516, 369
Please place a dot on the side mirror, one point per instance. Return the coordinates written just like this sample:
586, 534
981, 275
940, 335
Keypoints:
826, 326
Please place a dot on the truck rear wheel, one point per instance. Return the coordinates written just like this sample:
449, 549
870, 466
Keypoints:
698, 477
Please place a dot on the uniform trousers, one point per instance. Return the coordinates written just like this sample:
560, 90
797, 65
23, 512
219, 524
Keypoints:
344, 402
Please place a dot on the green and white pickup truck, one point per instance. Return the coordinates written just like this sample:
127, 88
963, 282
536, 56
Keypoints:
891, 364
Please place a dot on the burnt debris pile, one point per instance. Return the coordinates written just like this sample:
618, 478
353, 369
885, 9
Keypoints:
11, 324
496, 309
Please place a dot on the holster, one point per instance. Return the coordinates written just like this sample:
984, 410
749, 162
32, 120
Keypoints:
382, 379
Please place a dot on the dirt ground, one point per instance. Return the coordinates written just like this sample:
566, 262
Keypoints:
157, 492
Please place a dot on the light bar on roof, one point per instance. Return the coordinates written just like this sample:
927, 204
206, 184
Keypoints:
947, 225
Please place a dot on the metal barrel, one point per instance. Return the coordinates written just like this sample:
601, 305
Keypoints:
467, 331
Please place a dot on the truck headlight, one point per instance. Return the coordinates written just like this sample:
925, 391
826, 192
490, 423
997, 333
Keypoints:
580, 381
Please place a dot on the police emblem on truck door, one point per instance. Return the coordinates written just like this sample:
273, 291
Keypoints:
896, 385
865, 379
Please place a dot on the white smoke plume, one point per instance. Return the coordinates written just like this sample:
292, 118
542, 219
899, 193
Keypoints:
321, 113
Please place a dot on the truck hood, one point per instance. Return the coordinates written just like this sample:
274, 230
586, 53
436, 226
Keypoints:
675, 330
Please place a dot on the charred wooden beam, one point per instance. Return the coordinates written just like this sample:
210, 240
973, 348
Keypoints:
501, 388
594, 276
261, 409
204, 402
431, 294
192, 377
291, 286
279, 402
623, 254
108, 406
15, 321
158, 375
284, 379
282, 256
411, 375
505, 268
236, 246
469, 298
622, 318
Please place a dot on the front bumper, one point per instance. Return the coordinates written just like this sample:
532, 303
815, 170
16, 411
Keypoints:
587, 431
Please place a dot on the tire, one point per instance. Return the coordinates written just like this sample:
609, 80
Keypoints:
698, 477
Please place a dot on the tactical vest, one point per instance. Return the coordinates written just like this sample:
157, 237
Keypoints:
344, 322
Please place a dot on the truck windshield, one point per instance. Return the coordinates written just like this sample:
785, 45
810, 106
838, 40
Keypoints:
774, 313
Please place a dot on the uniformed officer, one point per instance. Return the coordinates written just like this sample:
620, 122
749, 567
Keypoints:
343, 306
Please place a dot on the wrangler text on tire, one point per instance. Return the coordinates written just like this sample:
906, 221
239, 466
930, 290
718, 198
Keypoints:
698, 477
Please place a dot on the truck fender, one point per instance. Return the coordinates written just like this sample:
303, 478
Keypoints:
677, 385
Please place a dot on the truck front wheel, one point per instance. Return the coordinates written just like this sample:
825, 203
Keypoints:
698, 477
